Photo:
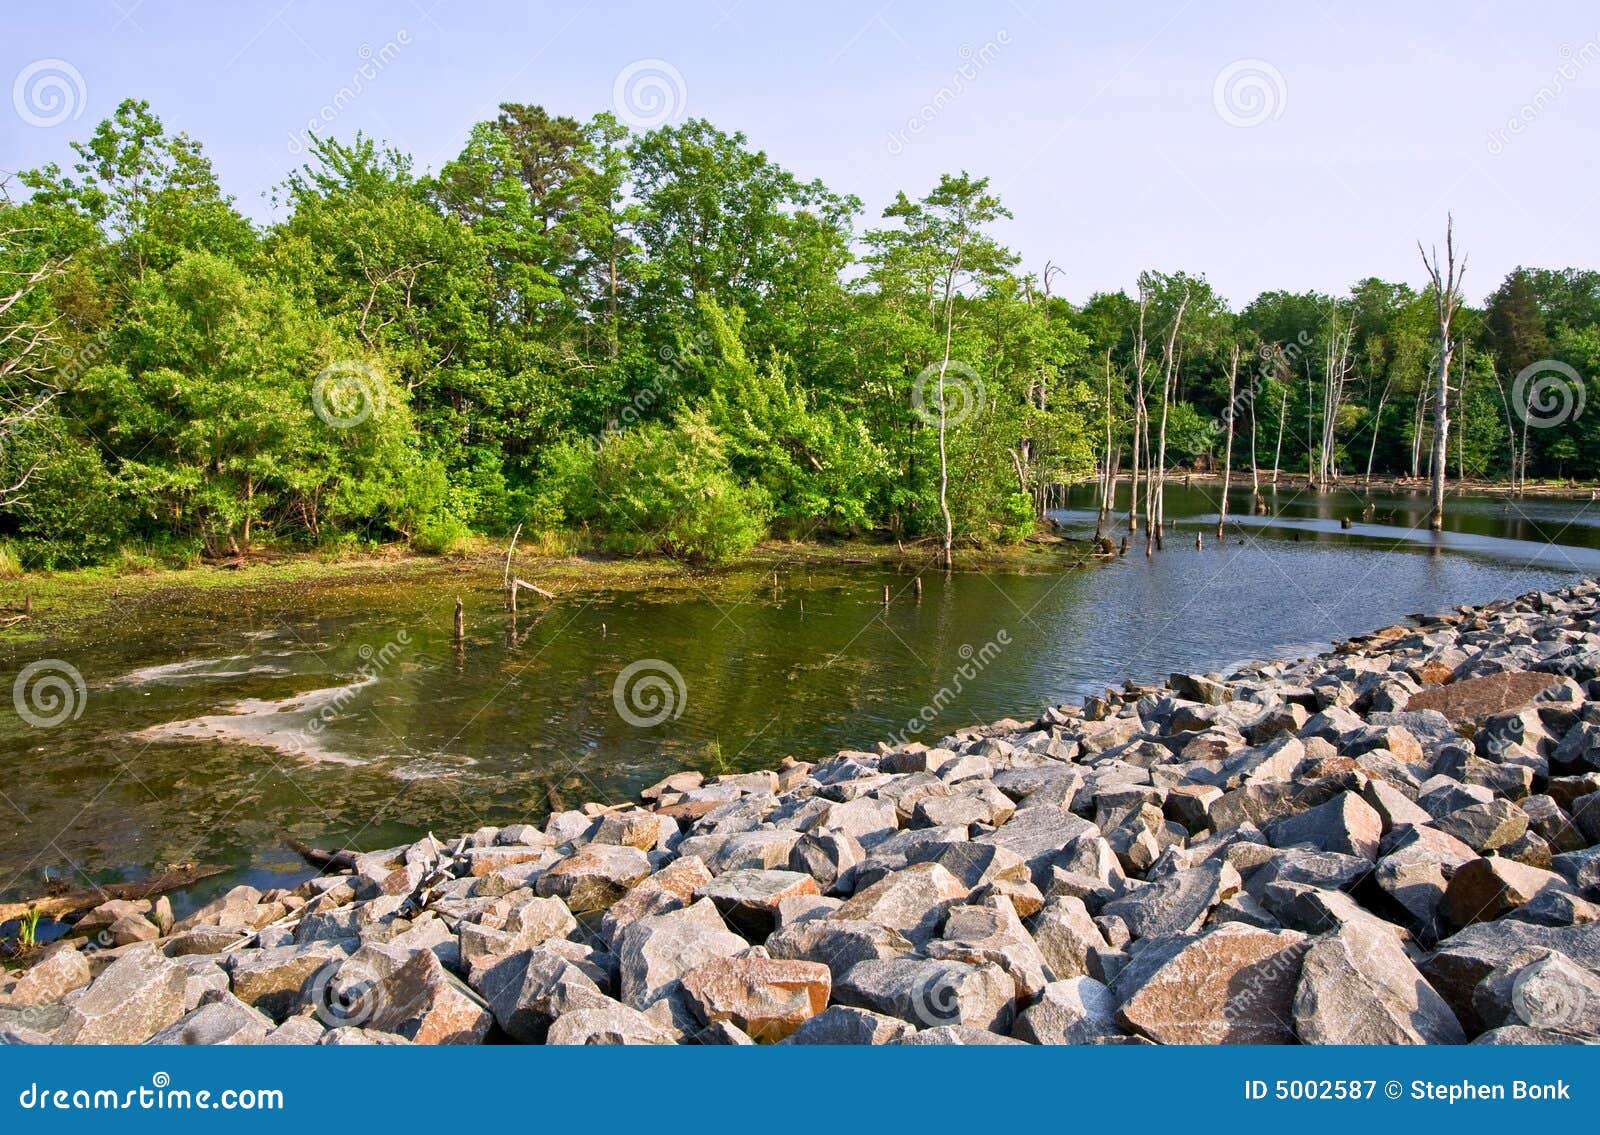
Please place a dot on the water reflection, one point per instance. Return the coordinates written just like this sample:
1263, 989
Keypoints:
183, 750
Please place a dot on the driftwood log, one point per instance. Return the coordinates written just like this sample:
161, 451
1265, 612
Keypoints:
60, 906
329, 862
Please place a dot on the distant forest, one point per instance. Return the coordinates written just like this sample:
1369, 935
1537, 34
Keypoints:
666, 342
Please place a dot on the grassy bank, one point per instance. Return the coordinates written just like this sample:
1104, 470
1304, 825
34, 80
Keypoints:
51, 605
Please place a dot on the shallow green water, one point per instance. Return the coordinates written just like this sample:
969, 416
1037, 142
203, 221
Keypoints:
345, 715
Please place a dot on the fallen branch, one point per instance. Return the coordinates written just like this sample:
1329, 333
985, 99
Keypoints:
533, 587
328, 862
61, 905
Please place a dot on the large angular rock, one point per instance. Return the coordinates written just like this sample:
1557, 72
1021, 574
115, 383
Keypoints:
136, 997
1176, 904
654, 952
974, 864
1484, 889
1586, 816
413, 997
1346, 824
768, 998
1581, 869
594, 876
1415, 869
864, 819
1395, 809
609, 1024
1038, 834
1475, 700
527, 991
749, 898
957, 1035
51, 978
929, 994
1485, 827
1544, 990
992, 932
1357, 986
226, 1020
837, 944
846, 1024
273, 980
643, 830
826, 856
912, 901
1067, 936
1231, 985
1079, 1010
239, 908
760, 850
1464, 959
670, 888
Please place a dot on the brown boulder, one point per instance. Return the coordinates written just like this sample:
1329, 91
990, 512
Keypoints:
769, 998
1474, 700
1233, 985
1485, 889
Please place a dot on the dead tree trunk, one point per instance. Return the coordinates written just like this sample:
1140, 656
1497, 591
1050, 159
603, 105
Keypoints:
1169, 372
1227, 449
1446, 278
1277, 454
1377, 423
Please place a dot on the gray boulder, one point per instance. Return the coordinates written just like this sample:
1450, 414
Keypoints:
1357, 986
930, 994
1079, 1010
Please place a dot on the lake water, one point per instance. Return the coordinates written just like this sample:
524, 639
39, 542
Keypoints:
344, 715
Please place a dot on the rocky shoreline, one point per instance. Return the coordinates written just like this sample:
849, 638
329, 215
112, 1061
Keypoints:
1395, 842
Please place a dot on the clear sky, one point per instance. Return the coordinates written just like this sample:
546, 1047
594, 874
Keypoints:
1293, 145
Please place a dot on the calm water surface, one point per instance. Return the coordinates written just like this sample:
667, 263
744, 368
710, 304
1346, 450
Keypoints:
346, 716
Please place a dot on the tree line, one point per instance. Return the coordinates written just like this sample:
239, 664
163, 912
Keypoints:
667, 342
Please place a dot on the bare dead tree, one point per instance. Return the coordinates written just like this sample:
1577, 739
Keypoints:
1255, 472
1141, 415
1446, 279
1158, 515
1277, 454
1377, 424
1107, 477
1511, 430
1336, 370
1227, 450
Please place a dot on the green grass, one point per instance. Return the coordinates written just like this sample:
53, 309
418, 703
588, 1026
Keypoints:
67, 603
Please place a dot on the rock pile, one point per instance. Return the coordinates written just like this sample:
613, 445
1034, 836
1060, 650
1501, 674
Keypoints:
1396, 842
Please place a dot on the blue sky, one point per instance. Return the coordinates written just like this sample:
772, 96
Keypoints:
1295, 145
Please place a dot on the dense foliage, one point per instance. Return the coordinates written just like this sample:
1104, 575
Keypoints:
660, 342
